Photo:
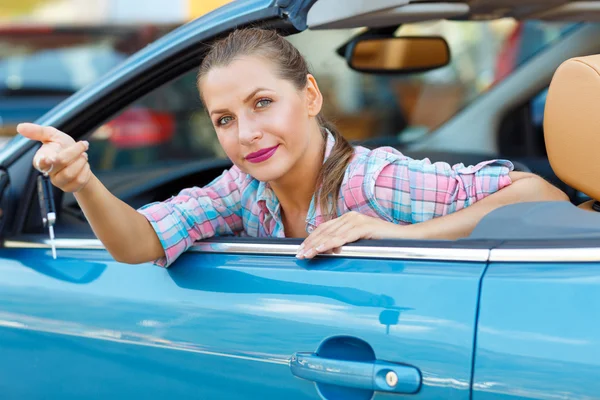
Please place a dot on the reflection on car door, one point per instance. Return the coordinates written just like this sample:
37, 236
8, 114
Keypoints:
226, 319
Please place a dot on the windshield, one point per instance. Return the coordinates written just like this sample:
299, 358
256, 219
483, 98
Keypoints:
366, 106
169, 126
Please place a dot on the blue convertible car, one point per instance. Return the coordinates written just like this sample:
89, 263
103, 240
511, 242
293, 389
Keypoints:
505, 313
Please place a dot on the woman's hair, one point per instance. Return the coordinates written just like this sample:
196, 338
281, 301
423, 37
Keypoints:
291, 66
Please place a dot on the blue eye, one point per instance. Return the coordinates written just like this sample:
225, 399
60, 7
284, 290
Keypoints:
263, 103
224, 120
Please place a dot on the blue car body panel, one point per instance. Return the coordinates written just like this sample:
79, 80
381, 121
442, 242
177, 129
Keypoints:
224, 325
538, 332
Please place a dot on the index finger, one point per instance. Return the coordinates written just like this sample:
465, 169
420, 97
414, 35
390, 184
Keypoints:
44, 134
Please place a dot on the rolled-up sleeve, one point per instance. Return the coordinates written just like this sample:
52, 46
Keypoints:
407, 191
196, 213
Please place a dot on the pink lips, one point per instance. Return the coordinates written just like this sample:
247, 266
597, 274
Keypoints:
261, 155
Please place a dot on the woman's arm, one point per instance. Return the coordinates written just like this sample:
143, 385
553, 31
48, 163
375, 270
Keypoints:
157, 232
126, 234
525, 187
352, 226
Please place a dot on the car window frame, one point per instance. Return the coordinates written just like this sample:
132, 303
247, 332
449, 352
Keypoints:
156, 66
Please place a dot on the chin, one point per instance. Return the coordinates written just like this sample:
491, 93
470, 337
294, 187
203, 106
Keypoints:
267, 172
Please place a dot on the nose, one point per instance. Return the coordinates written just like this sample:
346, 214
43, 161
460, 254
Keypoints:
248, 131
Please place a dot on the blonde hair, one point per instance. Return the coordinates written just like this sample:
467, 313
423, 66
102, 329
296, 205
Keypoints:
291, 66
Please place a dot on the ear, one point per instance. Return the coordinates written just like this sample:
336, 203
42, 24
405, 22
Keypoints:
314, 97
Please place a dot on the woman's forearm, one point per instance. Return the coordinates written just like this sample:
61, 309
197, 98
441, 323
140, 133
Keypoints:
126, 234
524, 188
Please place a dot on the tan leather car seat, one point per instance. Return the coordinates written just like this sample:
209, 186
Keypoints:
572, 126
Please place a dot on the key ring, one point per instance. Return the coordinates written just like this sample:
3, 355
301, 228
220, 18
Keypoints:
45, 172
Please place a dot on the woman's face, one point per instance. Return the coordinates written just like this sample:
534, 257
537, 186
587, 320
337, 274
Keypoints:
264, 124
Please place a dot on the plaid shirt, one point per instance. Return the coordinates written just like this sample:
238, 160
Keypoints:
381, 183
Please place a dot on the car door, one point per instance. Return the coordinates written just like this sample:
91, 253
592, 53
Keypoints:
538, 330
238, 319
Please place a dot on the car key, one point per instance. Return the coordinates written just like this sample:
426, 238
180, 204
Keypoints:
47, 207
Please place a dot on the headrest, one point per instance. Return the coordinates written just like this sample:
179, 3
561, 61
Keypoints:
572, 124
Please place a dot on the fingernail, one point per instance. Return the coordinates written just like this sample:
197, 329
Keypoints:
301, 247
85, 155
320, 247
300, 255
49, 160
86, 144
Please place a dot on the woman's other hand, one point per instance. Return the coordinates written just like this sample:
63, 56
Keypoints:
330, 236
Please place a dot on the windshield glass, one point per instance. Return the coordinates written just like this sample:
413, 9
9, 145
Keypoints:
366, 106
169, 126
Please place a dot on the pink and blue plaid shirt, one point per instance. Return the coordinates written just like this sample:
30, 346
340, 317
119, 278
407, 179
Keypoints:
381, 183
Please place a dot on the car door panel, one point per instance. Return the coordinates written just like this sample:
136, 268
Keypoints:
538, 331
219, 325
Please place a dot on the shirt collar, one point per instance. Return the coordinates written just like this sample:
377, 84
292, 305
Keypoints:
328, 145
315, 216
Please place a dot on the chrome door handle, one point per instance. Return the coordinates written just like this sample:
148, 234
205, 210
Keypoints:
376, 375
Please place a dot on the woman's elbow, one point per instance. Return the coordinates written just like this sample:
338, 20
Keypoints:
124, 257
129, 257
535, 188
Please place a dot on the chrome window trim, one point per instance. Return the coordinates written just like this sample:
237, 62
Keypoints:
536, 255
574, 254
231, 247
75, 244
349, 251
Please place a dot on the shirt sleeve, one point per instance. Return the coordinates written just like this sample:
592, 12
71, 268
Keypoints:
407, 191
197, 213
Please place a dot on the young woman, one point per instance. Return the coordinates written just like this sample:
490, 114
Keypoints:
294, 175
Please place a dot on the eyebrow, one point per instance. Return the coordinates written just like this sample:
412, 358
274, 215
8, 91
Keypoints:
247, 99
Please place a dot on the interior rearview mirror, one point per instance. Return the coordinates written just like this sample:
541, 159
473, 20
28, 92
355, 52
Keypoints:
397, 54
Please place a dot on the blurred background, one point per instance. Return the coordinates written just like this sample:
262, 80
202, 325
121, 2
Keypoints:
49, 49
